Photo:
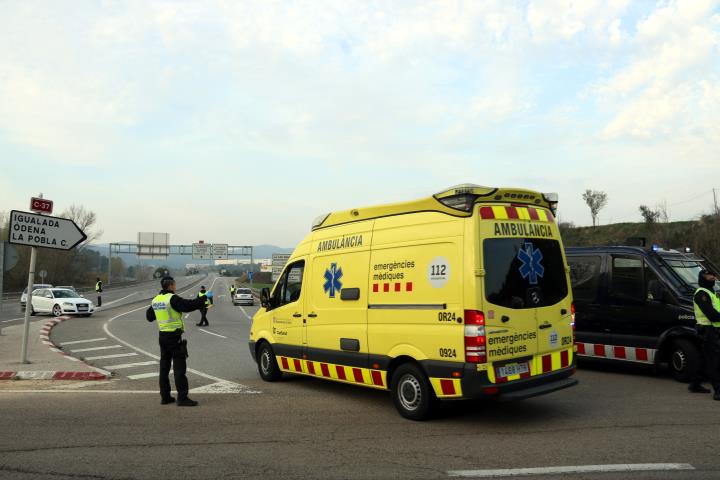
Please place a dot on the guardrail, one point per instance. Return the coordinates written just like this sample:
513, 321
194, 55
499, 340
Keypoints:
10, 297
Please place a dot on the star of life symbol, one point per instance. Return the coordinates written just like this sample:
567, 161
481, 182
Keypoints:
531, 267
332, 279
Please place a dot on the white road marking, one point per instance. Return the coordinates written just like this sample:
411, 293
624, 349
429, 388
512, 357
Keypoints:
140, 376
144, 392
117, 355
515, 472
121, 299
246, 314
109, 347
91, 383
219, 387
75, 342
211, 333
13, 320
139, 350
130, 365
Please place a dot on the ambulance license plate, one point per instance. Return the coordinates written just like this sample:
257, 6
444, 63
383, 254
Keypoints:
512, 369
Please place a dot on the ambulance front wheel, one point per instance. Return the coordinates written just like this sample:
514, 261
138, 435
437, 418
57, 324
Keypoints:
267, 364
412, 393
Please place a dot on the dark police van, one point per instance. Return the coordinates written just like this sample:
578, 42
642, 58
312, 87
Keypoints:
635, 304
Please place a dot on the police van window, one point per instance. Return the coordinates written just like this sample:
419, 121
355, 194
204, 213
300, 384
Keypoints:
585, 277
288, 290
627, 278
653, 284
524, 272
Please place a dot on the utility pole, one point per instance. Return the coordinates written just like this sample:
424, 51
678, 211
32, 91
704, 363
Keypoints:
717, 210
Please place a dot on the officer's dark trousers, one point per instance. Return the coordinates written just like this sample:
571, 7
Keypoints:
172, 355
99, 302
711, 354
203, 316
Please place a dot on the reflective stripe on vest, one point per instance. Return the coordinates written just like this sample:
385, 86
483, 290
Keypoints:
700, 317
97, 287
201, 294
168, 320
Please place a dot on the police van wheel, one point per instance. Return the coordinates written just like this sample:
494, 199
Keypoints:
684, 360
267, 364
412, 393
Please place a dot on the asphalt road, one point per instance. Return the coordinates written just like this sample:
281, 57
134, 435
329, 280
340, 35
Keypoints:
307, 428
12, 314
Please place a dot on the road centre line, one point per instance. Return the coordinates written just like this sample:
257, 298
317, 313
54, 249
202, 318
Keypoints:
93, 349
245, 313
120, 299
117, 355
571, 470
75, 342
130, 365
211, 333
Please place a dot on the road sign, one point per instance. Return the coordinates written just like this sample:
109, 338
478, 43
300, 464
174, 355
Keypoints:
41, 205
44, 231
278, 264
220, 251
43, 274
250, 276
202, 251
153, 245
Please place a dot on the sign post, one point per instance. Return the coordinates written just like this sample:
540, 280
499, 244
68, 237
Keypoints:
39, 231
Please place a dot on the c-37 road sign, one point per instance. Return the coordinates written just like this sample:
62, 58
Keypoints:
44, 231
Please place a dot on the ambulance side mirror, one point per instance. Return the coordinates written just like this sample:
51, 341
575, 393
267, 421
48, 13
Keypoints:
265, 297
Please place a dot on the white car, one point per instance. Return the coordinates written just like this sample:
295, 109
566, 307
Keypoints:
60, 301
243, 296
23, 297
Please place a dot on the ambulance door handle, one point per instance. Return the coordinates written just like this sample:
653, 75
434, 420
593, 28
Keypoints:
297, 315
312, 315
545, 326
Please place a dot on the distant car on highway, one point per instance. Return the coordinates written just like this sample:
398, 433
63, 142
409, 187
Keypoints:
60, 301
23, 297
243, 296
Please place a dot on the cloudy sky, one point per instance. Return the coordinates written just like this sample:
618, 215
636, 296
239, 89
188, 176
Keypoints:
241, 121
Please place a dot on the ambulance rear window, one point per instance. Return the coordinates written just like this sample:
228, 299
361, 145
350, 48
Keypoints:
524, 272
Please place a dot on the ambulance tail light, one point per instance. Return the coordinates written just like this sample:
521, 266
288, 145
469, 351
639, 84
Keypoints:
572, 320
475, 339
462, 202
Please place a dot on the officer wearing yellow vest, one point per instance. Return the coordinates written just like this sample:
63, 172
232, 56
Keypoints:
167, 309
98, 290
203, 311
707, 316
232, 292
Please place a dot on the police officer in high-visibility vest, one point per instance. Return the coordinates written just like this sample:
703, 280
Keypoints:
203, 311
707, 316
167, 309
232, 292
98, 290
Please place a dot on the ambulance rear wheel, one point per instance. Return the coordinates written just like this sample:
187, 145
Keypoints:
267, 364
412, 393
684, 360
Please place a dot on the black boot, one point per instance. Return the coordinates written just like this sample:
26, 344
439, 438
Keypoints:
697, 388
168, 400
186, 402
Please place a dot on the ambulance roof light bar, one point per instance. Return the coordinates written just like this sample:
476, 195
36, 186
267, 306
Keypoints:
319, 220
552, 199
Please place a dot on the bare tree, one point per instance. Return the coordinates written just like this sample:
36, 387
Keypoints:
651, 216
85, 219
596, 200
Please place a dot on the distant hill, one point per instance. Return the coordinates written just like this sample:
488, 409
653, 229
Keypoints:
179, 261
702, 236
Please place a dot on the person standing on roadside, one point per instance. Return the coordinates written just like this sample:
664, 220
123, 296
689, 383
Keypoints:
167, 309
232, 292
98, 290
203, 311
707, 316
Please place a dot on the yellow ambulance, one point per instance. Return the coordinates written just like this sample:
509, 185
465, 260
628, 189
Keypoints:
464, 294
